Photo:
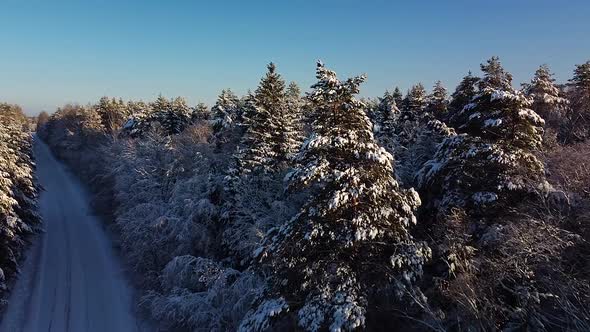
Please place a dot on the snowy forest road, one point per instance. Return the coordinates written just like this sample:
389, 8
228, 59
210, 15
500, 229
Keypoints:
71, 279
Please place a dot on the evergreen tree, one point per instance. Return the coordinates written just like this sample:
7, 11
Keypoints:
495, 76
172, 115
271, 135
437, 101
578, 114
385, 122
352, 237
18, 192
547, 101
256, 153
397, 96
272, 97
492, 160
414, 103
201, 113
113, 114
465, 91
225, 111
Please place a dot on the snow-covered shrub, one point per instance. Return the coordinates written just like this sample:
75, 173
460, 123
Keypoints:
200, 293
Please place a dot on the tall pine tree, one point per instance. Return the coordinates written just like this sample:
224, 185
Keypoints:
465, 91
547, 101
352, 237
225, 111
578, 114
492, 160
437, 101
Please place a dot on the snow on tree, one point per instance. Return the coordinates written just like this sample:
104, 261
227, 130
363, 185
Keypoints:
407, 129
414, 103
465, 91
386, 116
352, 236
271, 135
295, 112
170, 116
495, 77
18, 193
416, 145
225, 111
547, 100
200, 113
270, 139
492, 159
398, 97
113, 114
578, 114
199, 293
437, 101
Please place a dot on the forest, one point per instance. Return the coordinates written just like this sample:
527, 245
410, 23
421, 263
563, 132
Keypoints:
320, 210
18, 193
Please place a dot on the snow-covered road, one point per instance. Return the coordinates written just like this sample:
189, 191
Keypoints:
71, 280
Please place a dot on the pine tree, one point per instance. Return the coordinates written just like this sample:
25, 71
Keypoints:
386, 118
414, 103
547, 101
271, 95
256, 153
492, 160
272, 135
352, 237
200, 113
294, 120
437, 101
578, 114
172, 115
397, 96
18, 192
465, 91
113, 114
495, 76
225, 111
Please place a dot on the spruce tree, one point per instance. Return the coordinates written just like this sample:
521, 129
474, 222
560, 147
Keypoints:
225, 111
492, 159
113, 114
397, 97
465, 91
437, 101
386, 118
271, 135
201, 113
18, 192
578, 114
352, 237
414, 103
272, 97
547, 101
173, 115
495, 77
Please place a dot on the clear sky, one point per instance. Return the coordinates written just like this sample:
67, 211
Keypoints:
55, 52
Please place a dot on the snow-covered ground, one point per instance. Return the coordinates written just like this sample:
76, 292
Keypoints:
71, 279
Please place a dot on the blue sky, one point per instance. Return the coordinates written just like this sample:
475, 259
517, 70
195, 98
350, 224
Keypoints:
55, 52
